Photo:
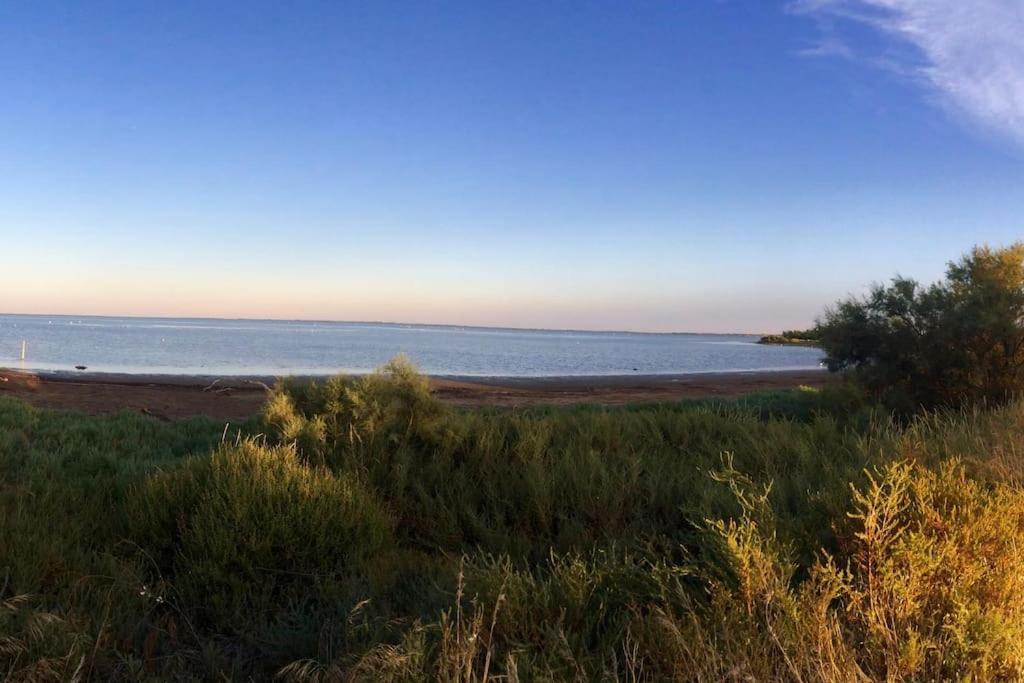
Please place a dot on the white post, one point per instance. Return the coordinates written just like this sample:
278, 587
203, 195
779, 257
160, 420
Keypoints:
23, 345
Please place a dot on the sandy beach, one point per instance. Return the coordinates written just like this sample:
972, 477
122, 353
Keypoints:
236, 398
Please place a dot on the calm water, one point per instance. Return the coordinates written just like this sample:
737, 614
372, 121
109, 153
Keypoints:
257, 347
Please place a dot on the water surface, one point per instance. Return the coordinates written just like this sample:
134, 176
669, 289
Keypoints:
272, 347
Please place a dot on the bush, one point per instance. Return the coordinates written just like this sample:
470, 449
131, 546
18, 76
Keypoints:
937, 590
955, 342
251, 528
393, 404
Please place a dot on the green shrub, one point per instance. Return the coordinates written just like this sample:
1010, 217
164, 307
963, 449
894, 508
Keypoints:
958, 341
392, 405
251, 527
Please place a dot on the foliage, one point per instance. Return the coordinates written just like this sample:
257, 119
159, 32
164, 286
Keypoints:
223, 523
937, 576
808, 337
524, 483
809, 333
957, 341
372, 534
392, 404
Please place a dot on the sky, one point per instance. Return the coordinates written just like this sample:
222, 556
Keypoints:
687, 165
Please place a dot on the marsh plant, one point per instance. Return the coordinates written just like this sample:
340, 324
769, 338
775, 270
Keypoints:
360, 530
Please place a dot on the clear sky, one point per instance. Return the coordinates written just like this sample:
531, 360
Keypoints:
687, 165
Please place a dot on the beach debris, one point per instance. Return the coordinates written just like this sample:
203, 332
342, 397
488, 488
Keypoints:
256, 382
227, 390
81, 367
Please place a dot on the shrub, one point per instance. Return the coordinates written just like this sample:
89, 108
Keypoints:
937, 572
758, 621
393, 404
245, 529
957, 341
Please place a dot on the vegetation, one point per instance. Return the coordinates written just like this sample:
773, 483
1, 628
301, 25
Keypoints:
955, 342
360, 530
808, 337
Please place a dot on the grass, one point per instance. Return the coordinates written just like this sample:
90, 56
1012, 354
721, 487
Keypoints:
360, 530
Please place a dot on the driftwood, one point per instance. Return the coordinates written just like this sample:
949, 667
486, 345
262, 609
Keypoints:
223, 390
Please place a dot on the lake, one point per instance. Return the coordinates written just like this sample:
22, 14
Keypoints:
188, 346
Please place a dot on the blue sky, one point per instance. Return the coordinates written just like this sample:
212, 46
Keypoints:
689, 166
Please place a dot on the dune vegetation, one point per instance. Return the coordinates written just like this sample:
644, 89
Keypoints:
361, 530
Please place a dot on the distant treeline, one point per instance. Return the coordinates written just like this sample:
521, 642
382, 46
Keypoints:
808, 337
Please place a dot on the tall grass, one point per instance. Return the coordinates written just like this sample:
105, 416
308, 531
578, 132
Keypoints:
363, 531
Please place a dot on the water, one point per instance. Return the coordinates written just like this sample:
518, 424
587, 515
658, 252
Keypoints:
266, 347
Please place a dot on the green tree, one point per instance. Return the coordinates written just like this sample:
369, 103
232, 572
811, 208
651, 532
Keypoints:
957, 341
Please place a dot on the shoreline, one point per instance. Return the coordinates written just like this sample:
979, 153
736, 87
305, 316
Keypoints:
202, 379
240, 397
386, 323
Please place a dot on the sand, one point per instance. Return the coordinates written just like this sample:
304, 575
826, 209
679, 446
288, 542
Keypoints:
171, 397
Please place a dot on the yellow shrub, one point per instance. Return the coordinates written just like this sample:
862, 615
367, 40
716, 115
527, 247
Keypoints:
938, 576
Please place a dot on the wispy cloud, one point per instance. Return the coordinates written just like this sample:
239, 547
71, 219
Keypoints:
828, 46
970, 52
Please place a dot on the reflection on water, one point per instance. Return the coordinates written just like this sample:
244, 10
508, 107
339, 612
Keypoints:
256, 347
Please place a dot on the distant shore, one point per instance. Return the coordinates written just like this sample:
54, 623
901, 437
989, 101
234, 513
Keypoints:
779, 340
237, 398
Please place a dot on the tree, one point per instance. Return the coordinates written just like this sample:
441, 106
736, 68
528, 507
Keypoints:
957, 341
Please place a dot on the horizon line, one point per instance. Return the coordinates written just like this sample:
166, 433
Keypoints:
391, 323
